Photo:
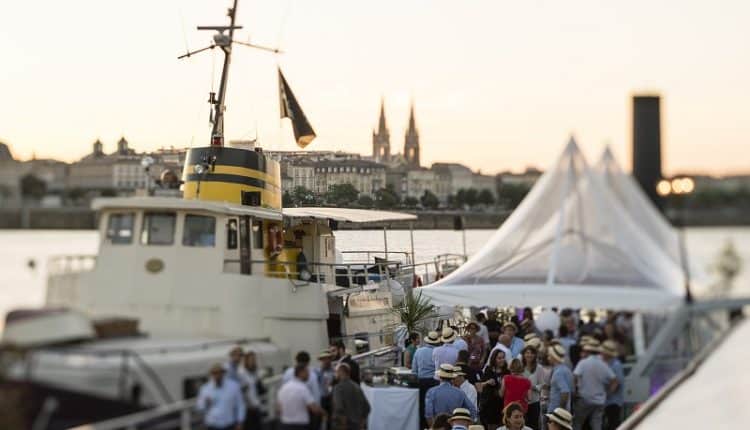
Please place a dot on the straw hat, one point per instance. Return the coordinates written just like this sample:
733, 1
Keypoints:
217, 367
610, 347
585, 339
561, 417
432, 338
476, 427
530, 336
510, 324
534, 342
324, 354
445, 371
557, 352
449, 335
592, 346
458, 371
460, 414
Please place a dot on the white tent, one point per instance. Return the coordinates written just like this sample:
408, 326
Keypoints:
570, 243
630, 195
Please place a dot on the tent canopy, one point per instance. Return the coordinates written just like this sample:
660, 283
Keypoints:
570, 243
348, 215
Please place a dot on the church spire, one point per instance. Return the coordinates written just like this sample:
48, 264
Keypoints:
411, 141
382, 128
412, 124
381, 140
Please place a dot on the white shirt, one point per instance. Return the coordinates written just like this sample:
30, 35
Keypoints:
294, 398
312, 381
505, 349
594, 376
470, 392
484, 334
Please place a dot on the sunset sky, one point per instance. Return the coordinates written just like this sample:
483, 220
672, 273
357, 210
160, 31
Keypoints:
497, 84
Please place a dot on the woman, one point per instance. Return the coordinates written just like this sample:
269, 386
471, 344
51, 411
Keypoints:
513, 417
476, 346
516, 387
410, 349
490, 402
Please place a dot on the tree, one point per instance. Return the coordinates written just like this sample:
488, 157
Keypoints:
386, 198
411, 202
341, 194
429, 200
303, 197
414, 311
511, 195
365, 201
287, 200
486, 197
472, 197
32, 187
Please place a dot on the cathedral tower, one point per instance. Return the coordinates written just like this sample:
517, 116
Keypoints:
381, 140
411, 142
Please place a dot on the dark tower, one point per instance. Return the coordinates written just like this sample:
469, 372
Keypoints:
411, 142
647, 144
98, 148
381, 139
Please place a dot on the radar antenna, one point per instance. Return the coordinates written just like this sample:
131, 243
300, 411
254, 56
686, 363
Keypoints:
224, 38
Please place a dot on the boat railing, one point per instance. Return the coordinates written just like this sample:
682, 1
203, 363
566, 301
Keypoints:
184, 415
403, 256
70, 264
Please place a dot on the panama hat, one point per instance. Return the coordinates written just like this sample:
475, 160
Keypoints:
609, 347
458, 371
530, 336
534, 342
432, 338
586, 339
476, 427
460, 414
510, 324
557, 352
445, 371
217, 367
561, 417
324, 354
449, 335
592, 346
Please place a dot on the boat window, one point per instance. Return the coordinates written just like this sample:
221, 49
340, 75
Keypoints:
200, 230
232, 234
120, 228
258, 234
158, 228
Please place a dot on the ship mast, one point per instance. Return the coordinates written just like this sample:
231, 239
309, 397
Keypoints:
224, 38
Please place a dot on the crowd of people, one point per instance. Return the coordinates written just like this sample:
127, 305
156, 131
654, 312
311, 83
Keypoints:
506, 373
322, 397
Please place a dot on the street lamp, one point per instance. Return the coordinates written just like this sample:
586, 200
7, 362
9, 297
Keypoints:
680, 187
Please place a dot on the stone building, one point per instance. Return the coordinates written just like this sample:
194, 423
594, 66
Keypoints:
366, 176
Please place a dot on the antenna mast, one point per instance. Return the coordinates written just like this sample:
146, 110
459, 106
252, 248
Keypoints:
223, 41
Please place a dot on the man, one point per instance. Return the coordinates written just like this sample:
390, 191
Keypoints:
460, 382
593, 379
338, 352
561, 381
296, 403
220, 399
616, 398
503, 344
516, 343
592, 327
444, 398
460, 419
233, 367
253, 390
567, 340
460, 344
423, 367
447, 353
326, 375
303, 359
483, 333
350, 406
493, 328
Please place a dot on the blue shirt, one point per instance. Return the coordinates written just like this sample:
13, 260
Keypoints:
223, 406
560, 383
444, 354
444, 398
460, 345
422, 364
618, 396
516, 346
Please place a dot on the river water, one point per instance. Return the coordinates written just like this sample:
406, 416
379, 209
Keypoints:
22, 285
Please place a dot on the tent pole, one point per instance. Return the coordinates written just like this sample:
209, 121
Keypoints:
560, 224
385, 241
639, 338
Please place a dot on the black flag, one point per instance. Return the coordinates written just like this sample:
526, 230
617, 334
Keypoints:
303, 132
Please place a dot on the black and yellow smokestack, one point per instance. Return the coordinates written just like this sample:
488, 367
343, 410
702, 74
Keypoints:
233, 175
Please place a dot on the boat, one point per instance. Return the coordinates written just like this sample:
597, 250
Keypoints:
178, 282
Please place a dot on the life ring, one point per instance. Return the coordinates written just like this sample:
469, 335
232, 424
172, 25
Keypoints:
275, 240
416, 281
